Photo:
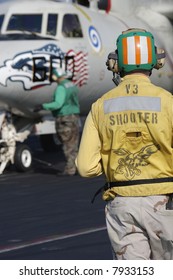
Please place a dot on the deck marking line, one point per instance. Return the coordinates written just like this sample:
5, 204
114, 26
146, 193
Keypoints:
49, 239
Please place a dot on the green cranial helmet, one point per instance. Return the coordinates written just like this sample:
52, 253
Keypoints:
136, 51
59, 72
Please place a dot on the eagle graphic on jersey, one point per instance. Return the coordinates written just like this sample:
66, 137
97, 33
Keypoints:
130, 163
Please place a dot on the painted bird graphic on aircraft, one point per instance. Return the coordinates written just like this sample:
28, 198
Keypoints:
20, 67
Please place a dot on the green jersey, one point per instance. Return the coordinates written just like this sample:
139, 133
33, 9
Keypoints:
65, 100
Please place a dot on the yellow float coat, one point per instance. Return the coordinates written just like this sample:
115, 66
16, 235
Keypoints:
128, 136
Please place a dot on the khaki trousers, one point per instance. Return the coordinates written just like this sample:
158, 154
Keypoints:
140, 228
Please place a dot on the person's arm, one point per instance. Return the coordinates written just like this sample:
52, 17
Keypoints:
59, 99
88, 160
172, 121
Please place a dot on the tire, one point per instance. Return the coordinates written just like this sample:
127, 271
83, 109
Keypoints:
23, 158
50, 143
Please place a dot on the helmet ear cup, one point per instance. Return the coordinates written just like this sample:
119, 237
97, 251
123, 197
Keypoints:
112, 62
160, 53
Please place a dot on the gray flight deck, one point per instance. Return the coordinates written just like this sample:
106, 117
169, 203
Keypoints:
45, 217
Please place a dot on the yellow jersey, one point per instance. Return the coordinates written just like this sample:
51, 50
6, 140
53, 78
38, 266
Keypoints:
128, 136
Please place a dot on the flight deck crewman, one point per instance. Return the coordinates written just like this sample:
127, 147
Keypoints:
65, 108
128, 137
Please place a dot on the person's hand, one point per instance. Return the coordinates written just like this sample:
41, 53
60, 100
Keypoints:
38, 108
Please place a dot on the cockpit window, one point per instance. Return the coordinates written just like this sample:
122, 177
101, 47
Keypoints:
25, 22
71, 26
52, 24
1, 20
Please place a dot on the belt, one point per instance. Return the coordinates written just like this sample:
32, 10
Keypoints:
109, 185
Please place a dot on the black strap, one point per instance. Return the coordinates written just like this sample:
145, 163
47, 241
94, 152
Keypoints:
139, 182
115, 184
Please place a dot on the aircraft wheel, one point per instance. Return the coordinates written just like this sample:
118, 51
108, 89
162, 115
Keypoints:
23, 158
50, 142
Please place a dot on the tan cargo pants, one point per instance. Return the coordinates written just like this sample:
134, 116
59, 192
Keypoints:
140, 228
